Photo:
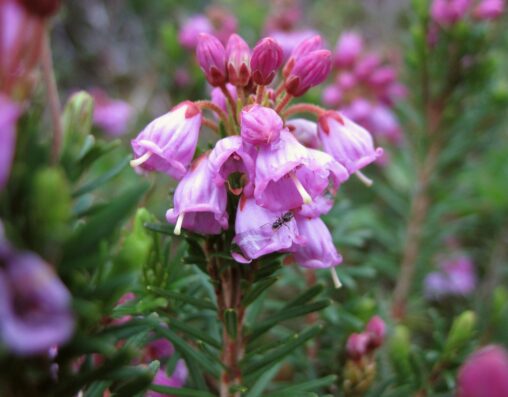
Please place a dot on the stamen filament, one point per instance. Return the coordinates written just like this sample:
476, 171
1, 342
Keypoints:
179, 222
362, 177
305, 195
335, 278
140, 160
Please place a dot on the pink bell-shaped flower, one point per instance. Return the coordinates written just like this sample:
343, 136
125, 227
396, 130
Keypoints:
317, 251
289, 175
260, 231
169, 142
199, 204
229, 156
348, 143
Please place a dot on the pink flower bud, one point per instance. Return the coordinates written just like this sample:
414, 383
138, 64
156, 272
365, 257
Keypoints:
356, 345
188, 36
238, 63
303, 48
376, 328
383, 76
448, 12
489, 9
485, 373
366, 66
260, 125
266, 59
212, 59
348, 49
309, 71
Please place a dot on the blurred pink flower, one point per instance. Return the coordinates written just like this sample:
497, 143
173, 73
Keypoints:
484, 374
449, 12
111, 115
489, 9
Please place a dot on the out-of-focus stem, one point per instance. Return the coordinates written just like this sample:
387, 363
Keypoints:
419, 209
52, 95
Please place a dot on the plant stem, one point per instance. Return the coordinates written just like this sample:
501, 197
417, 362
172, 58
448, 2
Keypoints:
304, 108
228, 291
418, 213
231, 101
48, 74
283, 103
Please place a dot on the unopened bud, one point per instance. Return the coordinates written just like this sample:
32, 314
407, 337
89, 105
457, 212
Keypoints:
238, 61
303, 48
356, 345
376, 328
309, 71
212, 59
266, 60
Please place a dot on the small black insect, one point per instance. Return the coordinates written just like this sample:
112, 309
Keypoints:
282, 220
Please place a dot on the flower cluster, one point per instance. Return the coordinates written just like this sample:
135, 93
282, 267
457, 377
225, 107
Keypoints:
450, 12
365, 87
35, 307
456, 277
268, 166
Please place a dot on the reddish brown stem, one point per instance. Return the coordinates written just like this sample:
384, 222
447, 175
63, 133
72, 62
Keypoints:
231, 101
283, 103
53, 98
418, 213
209, 105
229, 296
304, 108
211, 124
260, 92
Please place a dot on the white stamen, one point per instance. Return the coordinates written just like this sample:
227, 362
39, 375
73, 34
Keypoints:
335, 278
140, 160
305, 196
366, 181
178, 226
